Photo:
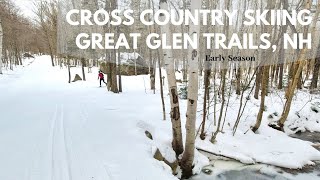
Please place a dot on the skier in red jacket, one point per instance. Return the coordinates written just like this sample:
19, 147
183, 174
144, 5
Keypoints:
101, 77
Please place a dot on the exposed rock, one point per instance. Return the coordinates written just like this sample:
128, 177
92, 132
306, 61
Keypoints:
27, 55
149, 135
77, 78
207, 171
315, 107
158, 156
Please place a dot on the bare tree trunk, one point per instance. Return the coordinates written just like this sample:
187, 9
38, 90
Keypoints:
69, 72
315, 76
258, 83
10, 60
112, 83
265, 76
299, 85
50, 47
193, 57
1, 38
177, 144
214, 98
223, 70
51, 53
291, 89
281, 61
223, 86
152, 74
272, 74
161, 87
20, 59
160, 71
108, 65
184, 61
46, 30
281, 51
238, 90
265, 70
207, 74
152, 63
206, 94
242, 107
113, 65
119, 62
83, 64
119, 71
296, 77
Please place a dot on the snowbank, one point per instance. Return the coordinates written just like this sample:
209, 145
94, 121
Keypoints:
274, 148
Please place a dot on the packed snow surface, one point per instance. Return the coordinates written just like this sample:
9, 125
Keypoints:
52, 130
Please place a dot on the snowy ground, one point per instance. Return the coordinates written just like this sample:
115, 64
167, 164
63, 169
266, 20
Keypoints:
50, 129
268, 145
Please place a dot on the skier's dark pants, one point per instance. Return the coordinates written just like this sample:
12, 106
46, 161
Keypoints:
102, 80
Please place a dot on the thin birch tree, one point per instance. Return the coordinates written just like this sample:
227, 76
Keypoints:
177, 144
193, 59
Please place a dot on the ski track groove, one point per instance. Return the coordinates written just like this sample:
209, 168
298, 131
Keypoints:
53, 127
67, 153
33, 170
60, 158
84, 115
61, 151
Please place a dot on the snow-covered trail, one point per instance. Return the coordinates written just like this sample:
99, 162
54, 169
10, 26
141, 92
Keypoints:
52, 130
